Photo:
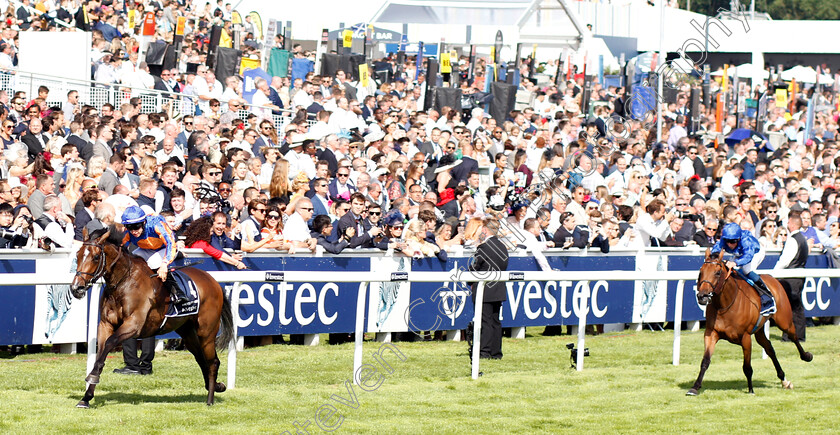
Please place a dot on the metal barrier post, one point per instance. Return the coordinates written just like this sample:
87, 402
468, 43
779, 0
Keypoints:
234, 308
584, 309
360, 329
678, 302
479, 302
93, 325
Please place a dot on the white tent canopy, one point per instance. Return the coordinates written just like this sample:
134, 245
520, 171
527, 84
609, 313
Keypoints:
805, 74
746, 70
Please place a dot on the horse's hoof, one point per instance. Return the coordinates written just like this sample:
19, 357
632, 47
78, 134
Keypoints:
91, 379
807, 357
787, 385
692, 392
211, 403
84, 404
220, 388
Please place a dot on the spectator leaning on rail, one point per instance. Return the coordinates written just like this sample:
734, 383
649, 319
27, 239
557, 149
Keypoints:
748, 256
654, 225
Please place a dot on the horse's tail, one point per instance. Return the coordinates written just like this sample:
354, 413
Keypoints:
226, 335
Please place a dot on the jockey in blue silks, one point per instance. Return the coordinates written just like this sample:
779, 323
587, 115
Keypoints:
748, 255
155, 243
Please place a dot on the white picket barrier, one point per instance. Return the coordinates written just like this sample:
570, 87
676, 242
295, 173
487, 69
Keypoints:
365, 278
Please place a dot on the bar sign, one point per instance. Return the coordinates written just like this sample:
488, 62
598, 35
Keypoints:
275, 276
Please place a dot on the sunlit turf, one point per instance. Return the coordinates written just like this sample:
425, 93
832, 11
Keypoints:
628, 385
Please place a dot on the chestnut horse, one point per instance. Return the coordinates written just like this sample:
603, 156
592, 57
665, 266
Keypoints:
732, 313
133, 305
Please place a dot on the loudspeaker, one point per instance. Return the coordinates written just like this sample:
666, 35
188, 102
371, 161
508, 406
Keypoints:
349, 63
227, 63
504, 98
694, 109
155, 53
170, 60
587, 91
445, 97
431, 82
669, 94
215, 36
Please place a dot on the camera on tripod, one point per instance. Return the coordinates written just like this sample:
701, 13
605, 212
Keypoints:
574, 353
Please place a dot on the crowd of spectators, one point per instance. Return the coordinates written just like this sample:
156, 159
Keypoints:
356, 167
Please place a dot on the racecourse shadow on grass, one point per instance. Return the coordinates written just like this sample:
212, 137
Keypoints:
111, 398
731, 385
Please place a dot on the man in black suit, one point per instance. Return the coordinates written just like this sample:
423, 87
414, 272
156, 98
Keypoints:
342, 185
491, 255
468, 164
35, 139
365, 232
90, 199
794, 255
707, 237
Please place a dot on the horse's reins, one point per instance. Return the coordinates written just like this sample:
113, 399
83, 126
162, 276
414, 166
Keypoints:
716, 288
100, 267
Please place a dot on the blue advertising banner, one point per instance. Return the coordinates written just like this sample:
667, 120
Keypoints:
36, 314
248, 88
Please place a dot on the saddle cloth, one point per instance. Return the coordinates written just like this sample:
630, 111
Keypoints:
187, 287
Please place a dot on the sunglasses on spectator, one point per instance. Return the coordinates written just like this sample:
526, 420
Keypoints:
274, 216
354, 147
307, 208
227, 189
261, 210
711, 229
214, 173
343, 174
188, 123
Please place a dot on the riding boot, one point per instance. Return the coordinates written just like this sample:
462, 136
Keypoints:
178, 297
768, 304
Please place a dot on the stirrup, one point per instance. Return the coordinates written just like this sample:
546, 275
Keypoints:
769, 310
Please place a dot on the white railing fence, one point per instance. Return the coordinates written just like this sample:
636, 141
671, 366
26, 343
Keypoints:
364, 278
97, 94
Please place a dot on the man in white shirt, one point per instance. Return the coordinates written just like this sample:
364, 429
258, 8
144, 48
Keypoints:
655, 223
206, 87
529, 235
298, 160
303, 97
260, 104
295, 229
730, 179
54, 224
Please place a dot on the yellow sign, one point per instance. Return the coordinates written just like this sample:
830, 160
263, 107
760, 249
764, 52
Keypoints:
348, 38
725, 79
445, 66
781, 97
179, 28
492, 54
363, 74
131, 22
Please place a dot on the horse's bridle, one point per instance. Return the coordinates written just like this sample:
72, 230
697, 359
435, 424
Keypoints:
100, 267
717, 286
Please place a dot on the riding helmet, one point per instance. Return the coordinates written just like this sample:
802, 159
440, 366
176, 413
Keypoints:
133, 215
731, 231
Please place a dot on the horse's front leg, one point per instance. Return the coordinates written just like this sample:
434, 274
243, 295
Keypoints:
106, 340
710, 340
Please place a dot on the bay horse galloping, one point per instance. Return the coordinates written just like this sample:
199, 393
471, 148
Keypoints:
732, 313
133, 304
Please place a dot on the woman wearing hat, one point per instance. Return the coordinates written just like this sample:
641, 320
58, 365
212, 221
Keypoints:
442, 177
393, 232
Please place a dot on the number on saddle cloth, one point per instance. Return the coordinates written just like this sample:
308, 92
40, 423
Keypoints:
187, 287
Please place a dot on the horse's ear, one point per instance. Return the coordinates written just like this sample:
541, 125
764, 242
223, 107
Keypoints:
84, 233
104, 237
708, 253
720, 255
